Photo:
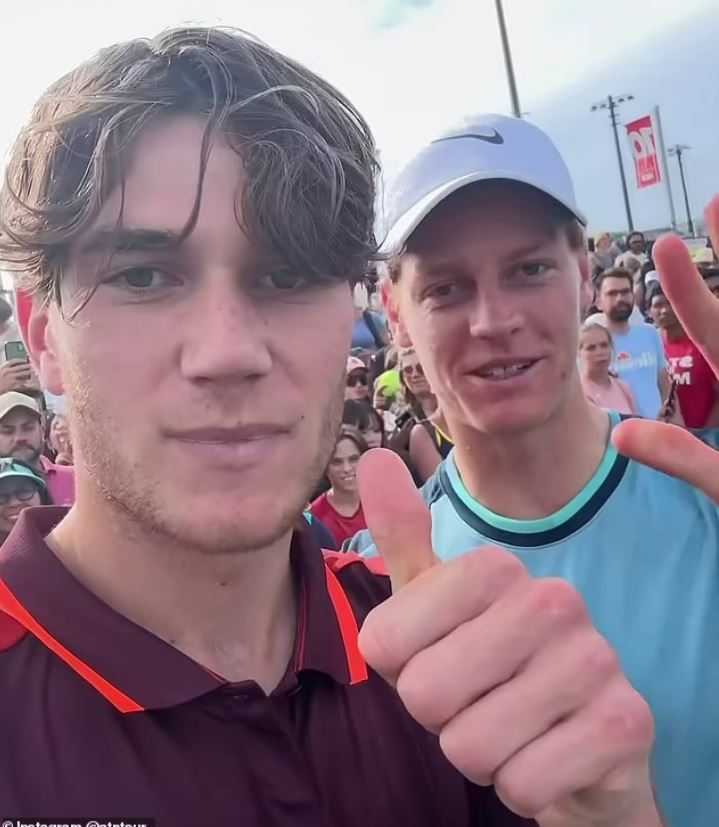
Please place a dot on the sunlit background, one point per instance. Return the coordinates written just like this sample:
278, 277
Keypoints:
413, 66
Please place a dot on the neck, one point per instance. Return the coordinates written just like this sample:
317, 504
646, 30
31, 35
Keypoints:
532, 474
617, 327
598, 375
233, 613
428, 404
672, 334
346, 502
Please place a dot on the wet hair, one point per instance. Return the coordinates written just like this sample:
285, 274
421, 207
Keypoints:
559, 215
361, 415
612, 273
308, 156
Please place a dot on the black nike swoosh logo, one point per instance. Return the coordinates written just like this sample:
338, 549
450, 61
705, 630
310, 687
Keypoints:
496, 138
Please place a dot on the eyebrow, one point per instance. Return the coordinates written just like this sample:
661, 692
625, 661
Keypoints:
433, 269
126, 240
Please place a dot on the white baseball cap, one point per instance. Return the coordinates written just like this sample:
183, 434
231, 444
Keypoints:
484, 148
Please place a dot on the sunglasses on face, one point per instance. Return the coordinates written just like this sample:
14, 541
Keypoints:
23, 495
355, 379
413, 370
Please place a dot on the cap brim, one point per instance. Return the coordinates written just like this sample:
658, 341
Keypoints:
407, 223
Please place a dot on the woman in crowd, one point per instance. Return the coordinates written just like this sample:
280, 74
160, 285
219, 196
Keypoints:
423, 435
59, 440
366, 421
599, 384
20, 488
357, 381
604, 254
340, 509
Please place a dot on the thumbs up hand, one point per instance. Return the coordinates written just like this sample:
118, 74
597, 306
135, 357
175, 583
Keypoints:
506, 669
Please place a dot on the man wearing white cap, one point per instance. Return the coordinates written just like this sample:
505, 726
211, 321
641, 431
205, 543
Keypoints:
487, 275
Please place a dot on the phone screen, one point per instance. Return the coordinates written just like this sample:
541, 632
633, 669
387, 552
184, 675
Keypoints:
15, 350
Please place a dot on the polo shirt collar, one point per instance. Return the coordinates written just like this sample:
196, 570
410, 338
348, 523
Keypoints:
130, 666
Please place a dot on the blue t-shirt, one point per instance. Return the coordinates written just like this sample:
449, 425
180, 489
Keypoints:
361, 334
638, 358
643, 550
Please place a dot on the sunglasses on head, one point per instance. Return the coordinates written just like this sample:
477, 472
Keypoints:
355, 379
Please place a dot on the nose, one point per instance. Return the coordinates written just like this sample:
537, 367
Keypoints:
494, 314
228, 336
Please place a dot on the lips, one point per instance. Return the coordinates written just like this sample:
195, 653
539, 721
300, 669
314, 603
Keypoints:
506, 369
221, 435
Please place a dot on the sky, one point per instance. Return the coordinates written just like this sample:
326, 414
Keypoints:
413, 67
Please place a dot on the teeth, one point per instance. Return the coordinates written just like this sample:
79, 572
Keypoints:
505, 372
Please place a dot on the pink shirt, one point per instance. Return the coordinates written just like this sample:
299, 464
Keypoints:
616, 396
60, 481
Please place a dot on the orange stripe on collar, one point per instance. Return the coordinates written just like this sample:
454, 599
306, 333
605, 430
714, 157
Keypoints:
12, 606
348, 628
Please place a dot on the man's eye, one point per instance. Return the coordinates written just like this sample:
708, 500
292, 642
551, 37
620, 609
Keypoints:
533, 268
283, 280
141, 278
444, 293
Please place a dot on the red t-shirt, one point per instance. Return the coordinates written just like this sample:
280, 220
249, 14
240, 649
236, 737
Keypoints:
695, 380
340, 527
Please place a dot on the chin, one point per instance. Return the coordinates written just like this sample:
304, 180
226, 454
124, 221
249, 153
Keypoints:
510, 418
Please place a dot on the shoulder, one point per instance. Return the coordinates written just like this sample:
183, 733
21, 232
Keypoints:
364, 580
320, 505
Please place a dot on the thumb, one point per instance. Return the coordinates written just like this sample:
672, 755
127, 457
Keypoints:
670, 449
396, 516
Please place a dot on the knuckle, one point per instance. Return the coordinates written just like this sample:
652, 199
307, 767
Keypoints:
626, 720
459, 744
523, 798
557, 601
381, 642
598, 657
489, 561
416, 689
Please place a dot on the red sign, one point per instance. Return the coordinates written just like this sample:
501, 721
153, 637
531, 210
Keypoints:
644, 151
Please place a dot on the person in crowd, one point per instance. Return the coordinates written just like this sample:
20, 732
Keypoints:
369, 332
21, 487
60, 440
636, 251
340, 508
486, 279
367, 421
697, 389
423, 435
604, 254
8, 329
710, 273
177, 609
598, 382
15, 374
320, 533
357, 379
638, 353
22, 437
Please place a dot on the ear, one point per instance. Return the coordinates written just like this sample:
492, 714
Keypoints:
38, 333
390, 300
586, 288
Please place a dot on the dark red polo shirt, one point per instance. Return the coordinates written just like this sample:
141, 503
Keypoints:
101, 719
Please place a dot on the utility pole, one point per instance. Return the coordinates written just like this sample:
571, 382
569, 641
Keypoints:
508, 65
679, 150
611, 103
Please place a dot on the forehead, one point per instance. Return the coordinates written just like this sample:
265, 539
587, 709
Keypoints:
499, 212
594, 334
615, 283
345, 448
19, 416
164, 176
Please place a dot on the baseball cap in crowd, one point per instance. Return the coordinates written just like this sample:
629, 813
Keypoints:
10, 467
484, 148
354, 363
12, 399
